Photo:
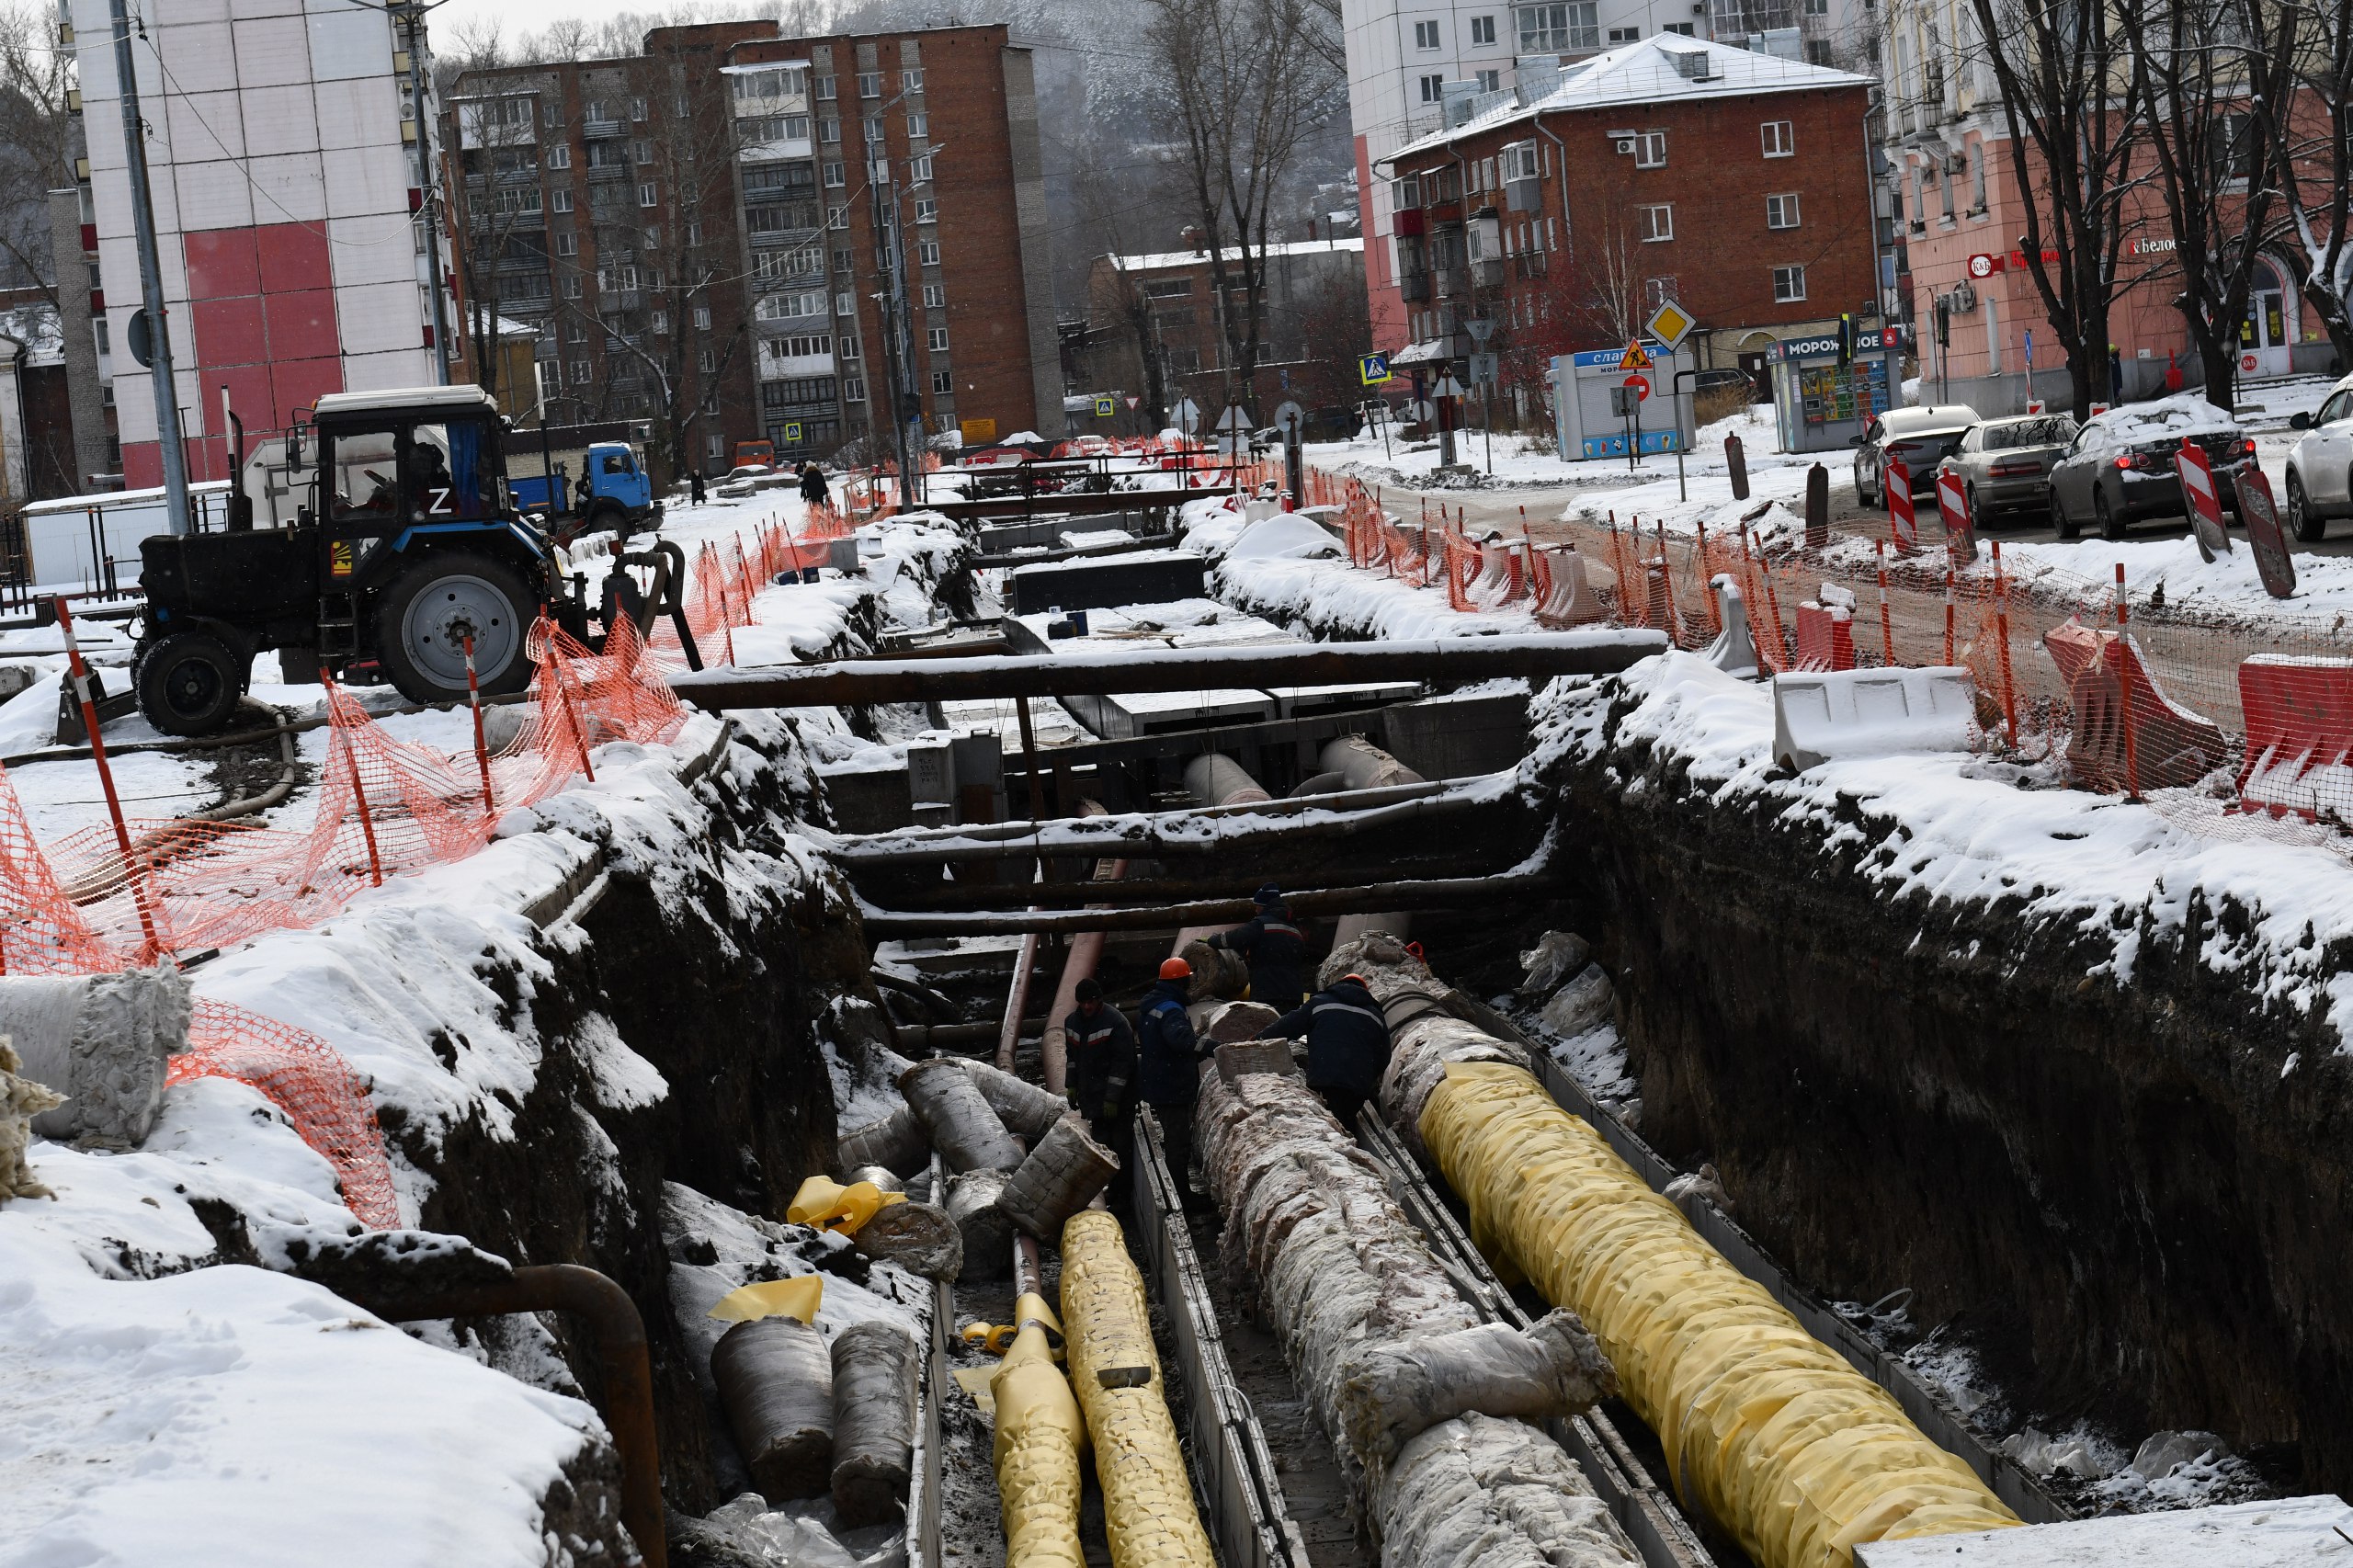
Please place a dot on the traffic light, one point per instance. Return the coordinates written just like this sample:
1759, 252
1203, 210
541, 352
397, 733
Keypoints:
1846, 338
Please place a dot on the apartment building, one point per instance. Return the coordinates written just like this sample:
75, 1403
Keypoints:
806, 240
283, 154
1409, 60
1564, 212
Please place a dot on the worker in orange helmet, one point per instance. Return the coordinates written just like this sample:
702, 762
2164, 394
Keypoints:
1347, 1044
1168, 1065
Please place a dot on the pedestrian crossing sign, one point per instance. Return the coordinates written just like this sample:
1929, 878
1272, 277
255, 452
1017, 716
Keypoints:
793, 435
1636, 357
1105, 407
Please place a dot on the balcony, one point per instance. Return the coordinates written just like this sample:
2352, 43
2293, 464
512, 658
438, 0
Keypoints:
507, 266
1413, 288
1528, 264
1487, 273
792, 367
603, 129
618, 300
782, 147
1451, 282
1442, 213
608, 171
1524, 195
1407, 223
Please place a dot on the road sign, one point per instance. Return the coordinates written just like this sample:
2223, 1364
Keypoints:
1636, 357
1421, 413
143, 340
1480, 328
1188, 415
792, 433
1485, 368
1235, 418
1642, 385
1896, 480
2197, 476
1372, 368
1669, 324
1623, 400
2260, 517
1134, 403
1983, 266
1291, 418
1953, 508
1105, 407
1447, 386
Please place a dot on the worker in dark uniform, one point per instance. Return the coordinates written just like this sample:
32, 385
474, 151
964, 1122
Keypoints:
1102, 1065
1275, 948
1168, 1059
1347, 1044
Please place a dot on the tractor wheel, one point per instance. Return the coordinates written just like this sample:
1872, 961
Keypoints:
422, 619
187, 683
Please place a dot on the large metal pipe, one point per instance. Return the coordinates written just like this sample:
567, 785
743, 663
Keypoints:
1435, 893
1460, 660
621, 1357
1130, 891
1116, 827
1363, 766
1086, 952
1217, 780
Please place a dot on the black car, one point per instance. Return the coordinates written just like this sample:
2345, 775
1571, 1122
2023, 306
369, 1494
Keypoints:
2119, 468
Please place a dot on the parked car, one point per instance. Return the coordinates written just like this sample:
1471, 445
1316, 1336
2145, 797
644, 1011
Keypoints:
2002, 463
2119, 468
2320, 466
1919, 438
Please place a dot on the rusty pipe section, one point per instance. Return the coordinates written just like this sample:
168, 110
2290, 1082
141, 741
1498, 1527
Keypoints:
621, 1359
1458, 660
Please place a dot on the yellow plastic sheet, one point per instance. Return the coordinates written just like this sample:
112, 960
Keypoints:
1147, 1498
1770, 1430
799, 1297
1039, 1436
828, 1204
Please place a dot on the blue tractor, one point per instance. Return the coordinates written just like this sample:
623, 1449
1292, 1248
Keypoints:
411, 544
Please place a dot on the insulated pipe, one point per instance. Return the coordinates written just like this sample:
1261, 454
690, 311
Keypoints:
1363, 766
1460, 660
1216, 780
1078, 963
621, 1359
1203, 917
1118, 828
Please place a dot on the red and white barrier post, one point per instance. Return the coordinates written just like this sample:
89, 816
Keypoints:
1895, 480
78, 676
1952, 510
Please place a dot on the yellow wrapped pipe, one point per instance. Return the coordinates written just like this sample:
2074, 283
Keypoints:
1039, 1435
1771, 1431
1147, 1498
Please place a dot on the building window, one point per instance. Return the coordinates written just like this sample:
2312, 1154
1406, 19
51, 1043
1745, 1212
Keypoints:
1789, 284
1682, 28
1482, 30
577, 332
848, 344
1657, 291
716, 446
829, 131
642, 150
836, 177
845, 304
1433, 89
653, 238
560, 156
1560, 28
935, 296
1780, 139
705, 361
646, 196
870, 84
1781, 211
1650, 149
572, 287
694, 230
580, 372
661, 322
919, 170
911, 80
837, 217
560, 200
824, 89
1424, 35
927, 211
637, 110
1657, 222
1489, 81
853, 389
942, 382
874, 129
919, 125
1624, 35
937, 339
566, 242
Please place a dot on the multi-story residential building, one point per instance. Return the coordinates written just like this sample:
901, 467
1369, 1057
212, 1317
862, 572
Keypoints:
283, 154
1165, 306
813, 238
1408, 58
1734, 182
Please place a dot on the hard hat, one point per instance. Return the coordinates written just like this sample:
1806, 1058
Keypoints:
1176, 969
1361, 980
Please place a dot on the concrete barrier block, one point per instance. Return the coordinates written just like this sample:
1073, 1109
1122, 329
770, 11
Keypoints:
1818, 715
1733, 650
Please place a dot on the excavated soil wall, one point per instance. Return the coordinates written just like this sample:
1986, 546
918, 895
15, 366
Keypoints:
2131, 1199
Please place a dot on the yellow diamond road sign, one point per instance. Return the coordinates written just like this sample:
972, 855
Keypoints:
1635, 359
1669, 324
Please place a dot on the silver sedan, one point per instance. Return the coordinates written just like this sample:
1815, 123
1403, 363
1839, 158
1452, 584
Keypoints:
2002, 463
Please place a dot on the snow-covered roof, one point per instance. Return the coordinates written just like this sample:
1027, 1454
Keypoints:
1154, 261
1662, 68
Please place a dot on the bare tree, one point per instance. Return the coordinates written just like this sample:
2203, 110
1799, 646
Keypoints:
1247, 89
2317, 129
2077, 131
37, 140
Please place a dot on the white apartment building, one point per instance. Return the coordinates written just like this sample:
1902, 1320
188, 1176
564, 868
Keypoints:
1407, 58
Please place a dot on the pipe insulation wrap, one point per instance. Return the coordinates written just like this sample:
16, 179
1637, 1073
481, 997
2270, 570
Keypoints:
776, 1378
956, 1118
874, 1422
1343, 1276
1039, 1435
1794, 1452
1148, 1511
103, 1041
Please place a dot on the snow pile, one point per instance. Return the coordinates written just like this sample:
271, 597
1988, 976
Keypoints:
2166, 419
1285, 535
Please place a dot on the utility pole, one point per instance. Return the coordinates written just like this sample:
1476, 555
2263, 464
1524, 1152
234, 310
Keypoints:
429, 198
151, 279
903, 348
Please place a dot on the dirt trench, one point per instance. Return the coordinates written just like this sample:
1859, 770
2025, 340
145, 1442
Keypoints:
2130, 1200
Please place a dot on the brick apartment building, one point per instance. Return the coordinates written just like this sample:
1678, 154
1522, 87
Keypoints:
1165, 305
1734, 182
714, 223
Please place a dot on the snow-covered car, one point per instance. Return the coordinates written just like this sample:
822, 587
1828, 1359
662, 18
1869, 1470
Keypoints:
1919, 438
2320, 465
2119, 468
2002, 463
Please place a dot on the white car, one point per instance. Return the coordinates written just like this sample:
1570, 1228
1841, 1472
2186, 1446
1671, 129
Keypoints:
2320, 467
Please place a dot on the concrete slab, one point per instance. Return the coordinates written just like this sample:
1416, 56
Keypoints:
2316, 1530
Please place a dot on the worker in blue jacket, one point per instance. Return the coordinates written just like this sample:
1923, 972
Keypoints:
1101, 1050
1168, 1065
1347, 1044
1276, 950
